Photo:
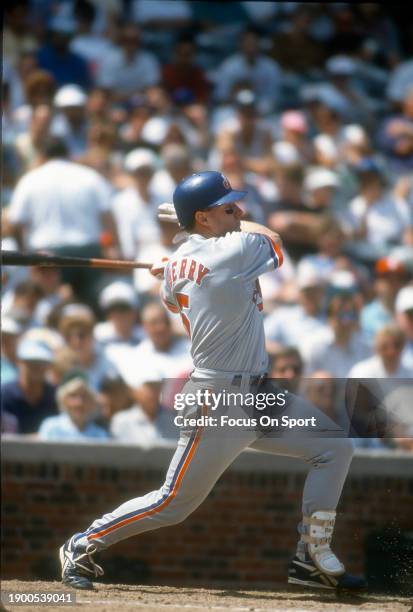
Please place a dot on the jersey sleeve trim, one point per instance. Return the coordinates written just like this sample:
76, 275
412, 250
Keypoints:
276, 251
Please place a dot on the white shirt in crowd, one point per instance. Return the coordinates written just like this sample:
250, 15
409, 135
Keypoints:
93, 48
292, 326
135, 220
116, 72
162, 186
385, 219
143, 281
322, 353
60, 204
105, 334
170, 364
134, 426
100, 369
374, 368
264, 75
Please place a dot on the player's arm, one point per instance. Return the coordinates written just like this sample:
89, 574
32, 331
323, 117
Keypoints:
273, 237
257, 228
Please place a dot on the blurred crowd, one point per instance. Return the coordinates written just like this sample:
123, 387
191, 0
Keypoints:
108, 104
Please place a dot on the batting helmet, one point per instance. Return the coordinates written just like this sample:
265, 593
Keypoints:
200, 191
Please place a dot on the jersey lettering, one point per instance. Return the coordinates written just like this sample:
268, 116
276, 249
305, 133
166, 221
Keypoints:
180, 269
192, 270
183, 267
201, 273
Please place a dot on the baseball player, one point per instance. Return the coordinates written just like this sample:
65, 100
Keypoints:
212, 281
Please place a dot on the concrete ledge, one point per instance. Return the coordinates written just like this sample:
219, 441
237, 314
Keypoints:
115, 455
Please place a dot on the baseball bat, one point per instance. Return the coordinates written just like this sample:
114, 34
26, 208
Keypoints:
15, 258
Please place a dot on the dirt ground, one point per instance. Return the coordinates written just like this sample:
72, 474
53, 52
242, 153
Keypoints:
109, 598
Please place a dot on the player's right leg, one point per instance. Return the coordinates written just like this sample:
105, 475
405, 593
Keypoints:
328, 453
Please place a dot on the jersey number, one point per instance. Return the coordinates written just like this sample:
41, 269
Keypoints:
183, 301
257, 297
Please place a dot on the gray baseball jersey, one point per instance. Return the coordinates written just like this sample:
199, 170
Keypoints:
213, 283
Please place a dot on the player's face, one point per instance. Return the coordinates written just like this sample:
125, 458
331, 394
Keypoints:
223, 219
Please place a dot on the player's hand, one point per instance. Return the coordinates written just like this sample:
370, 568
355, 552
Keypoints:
158, 268
166, 212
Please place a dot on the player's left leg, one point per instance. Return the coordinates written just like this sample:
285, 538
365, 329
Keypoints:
202, 455
329, 457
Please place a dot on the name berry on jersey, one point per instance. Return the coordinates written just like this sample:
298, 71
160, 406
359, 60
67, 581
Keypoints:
189, 269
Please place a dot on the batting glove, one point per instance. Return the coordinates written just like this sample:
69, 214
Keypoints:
166, 212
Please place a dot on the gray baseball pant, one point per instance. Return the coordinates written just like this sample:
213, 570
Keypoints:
204, 453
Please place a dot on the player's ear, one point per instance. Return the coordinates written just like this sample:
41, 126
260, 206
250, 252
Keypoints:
201, 218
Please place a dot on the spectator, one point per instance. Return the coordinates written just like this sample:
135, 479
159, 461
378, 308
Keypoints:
182, 76
146, 423
330, 243
64, 360
390, 276
293, 46
119, 303
55, 56
30, 398
134, 207
28, 143
386, 363
321, 391
64, 208
17, 37
177, 165
71, 124
161, 347
77, 404
379, 219
250, 67
114, 397
10, 333
293, 325
39, 89
76, 326
294, 129
400, 82
54, 291
233, 167
342, 72
340, 347
404, 317
128, 69
248, 135
89, 44
101, 154
287, 367
320, 185
395, 137
21, 302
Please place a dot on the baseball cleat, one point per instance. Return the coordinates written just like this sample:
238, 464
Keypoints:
78, 566
305, 573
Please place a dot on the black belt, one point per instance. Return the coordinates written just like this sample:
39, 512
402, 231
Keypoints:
254, 381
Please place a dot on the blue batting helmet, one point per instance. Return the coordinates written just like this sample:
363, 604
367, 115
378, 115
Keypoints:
200, 191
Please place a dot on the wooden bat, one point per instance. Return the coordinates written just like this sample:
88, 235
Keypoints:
15, 258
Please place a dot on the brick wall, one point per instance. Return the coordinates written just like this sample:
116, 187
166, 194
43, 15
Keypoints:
245, 532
